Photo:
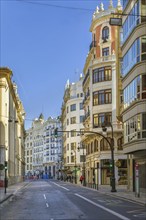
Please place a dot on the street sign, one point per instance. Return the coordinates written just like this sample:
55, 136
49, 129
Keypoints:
118, 163
115, 21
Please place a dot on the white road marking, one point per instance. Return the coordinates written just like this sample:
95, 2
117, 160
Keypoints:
61, 186
104, 208
44, 196
141, 215
47, 204
134, 211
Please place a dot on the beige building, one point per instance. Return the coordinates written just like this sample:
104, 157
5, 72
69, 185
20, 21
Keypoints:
134, 91
11, 129
102, 89
72, 120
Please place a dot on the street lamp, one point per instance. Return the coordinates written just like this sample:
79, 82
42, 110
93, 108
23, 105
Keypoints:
113, 185
111, 144
6, 181
84, 172
75, 163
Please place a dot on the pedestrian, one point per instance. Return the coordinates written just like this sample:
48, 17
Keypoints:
81, 179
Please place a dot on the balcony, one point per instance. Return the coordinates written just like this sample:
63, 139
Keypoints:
86, 77
87, 115
86, 97
104, 59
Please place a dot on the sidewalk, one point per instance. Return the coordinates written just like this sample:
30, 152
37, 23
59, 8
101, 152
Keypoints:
11, 190
122, 192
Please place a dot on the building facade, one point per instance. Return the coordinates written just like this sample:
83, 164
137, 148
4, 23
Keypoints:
102, 98
72, 121
43, 151
11, 129
134, 90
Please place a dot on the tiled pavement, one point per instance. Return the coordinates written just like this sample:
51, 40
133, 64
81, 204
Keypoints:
121, 192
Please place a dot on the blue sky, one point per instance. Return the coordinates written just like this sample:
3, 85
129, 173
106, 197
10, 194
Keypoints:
45, 46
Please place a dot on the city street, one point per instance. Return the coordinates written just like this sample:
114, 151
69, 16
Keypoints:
42, 200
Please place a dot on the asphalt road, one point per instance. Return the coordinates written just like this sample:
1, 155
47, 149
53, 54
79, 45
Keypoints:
50, 200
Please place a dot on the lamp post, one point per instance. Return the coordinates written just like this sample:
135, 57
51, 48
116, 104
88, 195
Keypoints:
111, 144
75, 163
113, 184
75, 166
84, 172
6, 167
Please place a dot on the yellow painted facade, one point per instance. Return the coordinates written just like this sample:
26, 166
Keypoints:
11, 129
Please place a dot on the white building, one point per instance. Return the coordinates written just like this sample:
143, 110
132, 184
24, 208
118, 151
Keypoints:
72, 121
42, 149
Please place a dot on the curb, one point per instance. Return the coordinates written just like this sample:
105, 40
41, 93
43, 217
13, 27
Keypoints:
113, 195
6, 198
12, 194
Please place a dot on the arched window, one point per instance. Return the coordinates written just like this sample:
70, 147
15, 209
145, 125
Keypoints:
104, 145
91, 147
95, 145
120, 142
105, 33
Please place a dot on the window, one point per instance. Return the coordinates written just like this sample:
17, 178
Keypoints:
73, 133
73, 107
102, 97
72, 159
143, 48
120, 143
104, 145
67, 146
82, 158
132, 56
105, 34
131, 21
136, 90
95, 145
102, 74
73, 146
73, 120
81, 106
81, 118
143, 10
125, 2
99, 119
135, 128
105, 51
143, 86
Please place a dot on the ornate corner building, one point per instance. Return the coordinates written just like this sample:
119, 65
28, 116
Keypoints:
11, 129
102, 98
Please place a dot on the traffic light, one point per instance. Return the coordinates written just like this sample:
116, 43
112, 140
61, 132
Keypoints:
110, 165
56, 132
6, 165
